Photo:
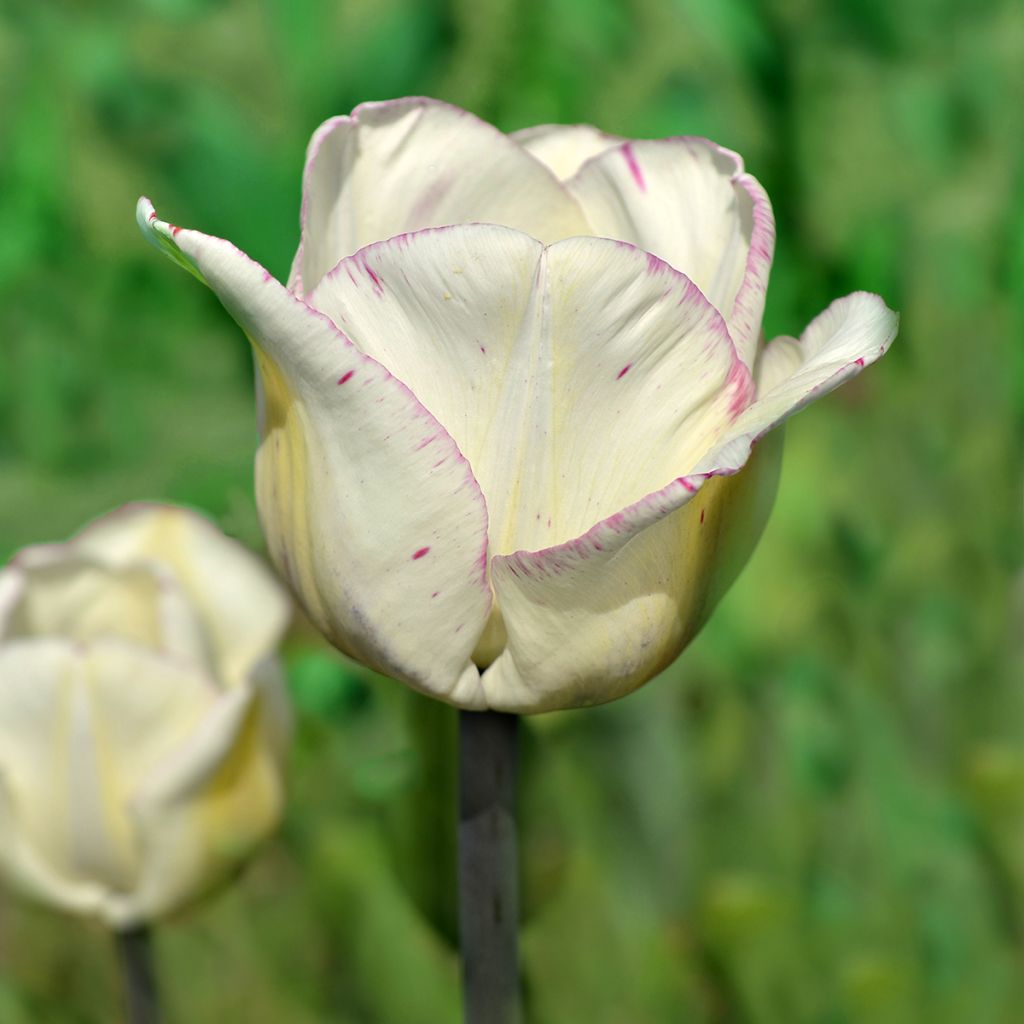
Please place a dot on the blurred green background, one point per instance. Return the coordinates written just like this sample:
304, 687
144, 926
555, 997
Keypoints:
817, 815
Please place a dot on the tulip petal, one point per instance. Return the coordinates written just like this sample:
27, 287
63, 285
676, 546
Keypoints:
850, 334
204, 808
65, 593
369, 508
589, 620
413, 163
576, 378
27, 868
243, 610
689, 201
564, 148
77, 725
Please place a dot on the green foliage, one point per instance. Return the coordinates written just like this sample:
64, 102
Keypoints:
817, 815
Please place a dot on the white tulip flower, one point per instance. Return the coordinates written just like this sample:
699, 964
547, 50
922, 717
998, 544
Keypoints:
143, 720
502, 387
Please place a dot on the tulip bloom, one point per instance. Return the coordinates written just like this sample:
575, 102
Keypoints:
142, 714
502, 387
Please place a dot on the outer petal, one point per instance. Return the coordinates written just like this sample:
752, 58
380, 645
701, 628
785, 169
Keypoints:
204, 808
243, 609
850, 334
575, 378
78, 727
592, 619
564, 148
690, 202
414, 163
369, 508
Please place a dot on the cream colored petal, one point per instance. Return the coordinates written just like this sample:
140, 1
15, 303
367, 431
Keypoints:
243, 609
369, 509
689, 201
67, 594
407, 164
593, 619
26, 868
576, 379
564, 148
79, 726
202, 810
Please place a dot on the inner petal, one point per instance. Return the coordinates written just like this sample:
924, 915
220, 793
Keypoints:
75, 598
575, 379
409, 164
689, 202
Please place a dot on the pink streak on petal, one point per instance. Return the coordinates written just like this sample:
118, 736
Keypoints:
742, 382
345, 377
420, 553
622, 373
634, 167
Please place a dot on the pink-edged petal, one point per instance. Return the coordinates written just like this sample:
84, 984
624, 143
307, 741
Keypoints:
369, 508
690, 202
413, 163
592, 619
564, 148
576, 378
850, 334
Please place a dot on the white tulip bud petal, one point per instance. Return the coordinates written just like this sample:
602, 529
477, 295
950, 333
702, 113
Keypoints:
141, 731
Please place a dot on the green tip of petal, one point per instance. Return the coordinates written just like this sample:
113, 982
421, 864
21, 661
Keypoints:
161, 235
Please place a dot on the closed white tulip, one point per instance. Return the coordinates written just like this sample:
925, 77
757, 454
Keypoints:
501, 391
143, 721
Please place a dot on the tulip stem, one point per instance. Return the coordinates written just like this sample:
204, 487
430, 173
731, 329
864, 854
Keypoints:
138, 981
488, 868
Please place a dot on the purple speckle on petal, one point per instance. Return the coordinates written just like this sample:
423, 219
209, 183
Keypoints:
346, 377
435, 593
622, 373
420, 553
634, 167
